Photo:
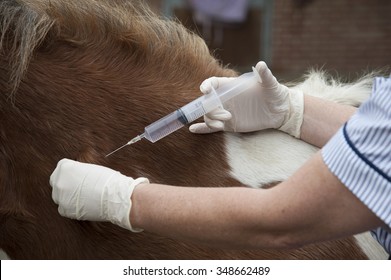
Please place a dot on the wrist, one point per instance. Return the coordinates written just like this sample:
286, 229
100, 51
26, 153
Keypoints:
119, 200
294, 118
322, 119
135, 215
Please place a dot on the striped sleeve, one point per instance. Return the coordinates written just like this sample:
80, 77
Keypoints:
360, 156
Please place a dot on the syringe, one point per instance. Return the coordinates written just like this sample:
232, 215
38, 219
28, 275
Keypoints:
195, 109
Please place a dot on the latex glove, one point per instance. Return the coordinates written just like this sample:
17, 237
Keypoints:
266, 105
92, 192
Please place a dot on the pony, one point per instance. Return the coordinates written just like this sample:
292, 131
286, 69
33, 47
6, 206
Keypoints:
77, 79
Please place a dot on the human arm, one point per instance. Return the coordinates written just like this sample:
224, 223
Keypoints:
270, 104
311, 206
322, 119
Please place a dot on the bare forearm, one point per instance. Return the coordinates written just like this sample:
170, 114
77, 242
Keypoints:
322, 119
291, 214
219, 217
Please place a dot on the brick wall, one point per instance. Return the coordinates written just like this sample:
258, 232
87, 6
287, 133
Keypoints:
343, 35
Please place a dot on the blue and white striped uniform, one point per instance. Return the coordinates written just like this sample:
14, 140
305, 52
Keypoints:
360, 156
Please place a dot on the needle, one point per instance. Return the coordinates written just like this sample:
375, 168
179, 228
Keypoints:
116, 150
134, 140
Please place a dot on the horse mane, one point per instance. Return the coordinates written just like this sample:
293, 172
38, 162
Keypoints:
27, 25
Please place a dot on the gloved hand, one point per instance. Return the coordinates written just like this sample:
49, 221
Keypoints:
267, 104
93, 192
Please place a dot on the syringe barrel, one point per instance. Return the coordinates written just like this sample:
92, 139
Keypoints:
164, 126
177, 119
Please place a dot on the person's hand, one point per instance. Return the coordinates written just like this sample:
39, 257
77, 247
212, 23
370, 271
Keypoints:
92, 192
267, 104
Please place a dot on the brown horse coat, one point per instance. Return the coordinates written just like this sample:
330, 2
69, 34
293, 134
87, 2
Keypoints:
79, 78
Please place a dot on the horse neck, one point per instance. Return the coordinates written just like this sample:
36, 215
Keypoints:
91, 104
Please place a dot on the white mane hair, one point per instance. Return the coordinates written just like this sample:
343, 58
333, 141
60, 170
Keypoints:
323, 85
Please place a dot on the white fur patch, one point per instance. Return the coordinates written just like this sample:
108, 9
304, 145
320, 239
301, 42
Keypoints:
319, 85
266, 156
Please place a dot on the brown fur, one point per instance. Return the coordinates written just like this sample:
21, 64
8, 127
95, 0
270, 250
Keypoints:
79, 78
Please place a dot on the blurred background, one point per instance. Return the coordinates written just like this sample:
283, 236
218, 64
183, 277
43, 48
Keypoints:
344, 37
